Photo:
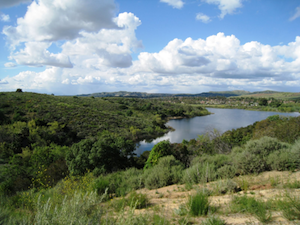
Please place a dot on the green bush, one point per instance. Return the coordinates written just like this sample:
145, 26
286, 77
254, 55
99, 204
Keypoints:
198, 204
120, 183
138, 200
255, 155
199, 173
226, 171
168, 171
159, 150
225, 186
283, 160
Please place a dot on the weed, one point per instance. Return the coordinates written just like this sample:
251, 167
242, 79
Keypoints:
244, 184
181, 211
274, 181
290, 207
198, 204
140, 200
213, 220
258, 208
293, 184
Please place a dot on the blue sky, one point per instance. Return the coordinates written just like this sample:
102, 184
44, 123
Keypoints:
167, 46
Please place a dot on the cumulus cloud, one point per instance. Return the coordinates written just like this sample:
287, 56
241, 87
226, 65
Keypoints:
223, 57
86, 31
10, 64
178, 4
48, 20
108, 47
203, 18
226, 6
35, 54
296, 15
3, 82
4, 18
9, 3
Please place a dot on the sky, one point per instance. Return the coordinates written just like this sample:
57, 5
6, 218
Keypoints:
70, 47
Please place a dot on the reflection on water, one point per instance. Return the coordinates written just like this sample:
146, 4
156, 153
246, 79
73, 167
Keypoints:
221, 119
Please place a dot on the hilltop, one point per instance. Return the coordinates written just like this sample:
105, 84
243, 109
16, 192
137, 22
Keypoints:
235, 93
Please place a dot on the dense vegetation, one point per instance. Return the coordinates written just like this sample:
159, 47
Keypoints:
58, 152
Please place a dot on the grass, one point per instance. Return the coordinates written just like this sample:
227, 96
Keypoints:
213, 220
292, 184
198, 204
245, 204
290, 207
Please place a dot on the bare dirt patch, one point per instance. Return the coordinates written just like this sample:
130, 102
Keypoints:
266, 186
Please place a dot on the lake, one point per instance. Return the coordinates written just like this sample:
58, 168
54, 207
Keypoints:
221, 119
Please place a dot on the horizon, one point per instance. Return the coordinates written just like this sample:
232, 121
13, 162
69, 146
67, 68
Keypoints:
164, 46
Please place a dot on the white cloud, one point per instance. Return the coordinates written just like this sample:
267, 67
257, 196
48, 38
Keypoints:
226, 6
296, 15
10, 64
4, 18
178, 4
9, 3
3, 82
203, 18
221, 58
48, 20
88, 25
36, 54
108, 47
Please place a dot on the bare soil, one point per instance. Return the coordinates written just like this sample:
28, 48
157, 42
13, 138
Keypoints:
268, 185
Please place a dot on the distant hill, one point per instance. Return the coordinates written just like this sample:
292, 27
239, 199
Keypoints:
235, 93
274, 94
156, 95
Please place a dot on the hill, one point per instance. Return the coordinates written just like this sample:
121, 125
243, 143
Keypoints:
158, 95
274, 94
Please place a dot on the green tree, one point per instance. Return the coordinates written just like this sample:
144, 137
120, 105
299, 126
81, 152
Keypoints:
159, 150
263, 102
107, 154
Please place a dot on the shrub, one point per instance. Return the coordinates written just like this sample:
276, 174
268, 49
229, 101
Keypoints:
224, 186
139, 200
198, 204
226, 171
168, 171
120, 183
254, 157
264, 146
282, 160
199, 173
159, 150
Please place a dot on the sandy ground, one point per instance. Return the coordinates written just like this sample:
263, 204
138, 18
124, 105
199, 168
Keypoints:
265, 186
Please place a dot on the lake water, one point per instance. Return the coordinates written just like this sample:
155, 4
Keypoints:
221, 119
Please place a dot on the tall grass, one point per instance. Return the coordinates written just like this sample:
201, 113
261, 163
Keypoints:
258, 208
198, 204
290, 207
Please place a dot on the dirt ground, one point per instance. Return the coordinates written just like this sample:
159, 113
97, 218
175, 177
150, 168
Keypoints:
268, 185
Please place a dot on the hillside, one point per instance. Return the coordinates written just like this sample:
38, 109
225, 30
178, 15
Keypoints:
236, 93
274, 94
158, 95
70, 160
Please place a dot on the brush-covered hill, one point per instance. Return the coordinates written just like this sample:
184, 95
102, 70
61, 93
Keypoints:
158, 95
